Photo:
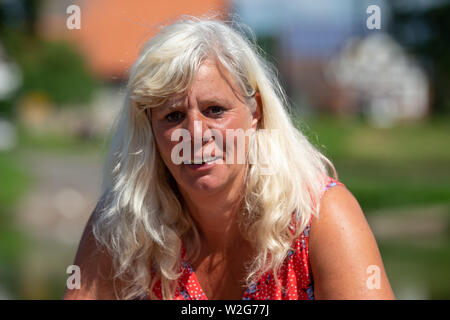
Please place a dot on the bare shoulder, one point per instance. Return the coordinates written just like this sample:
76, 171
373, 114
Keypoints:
95, 265
345, 260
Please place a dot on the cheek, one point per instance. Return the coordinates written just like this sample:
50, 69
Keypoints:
163, 142
235, 144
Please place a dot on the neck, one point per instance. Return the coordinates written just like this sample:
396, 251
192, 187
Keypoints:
215, 215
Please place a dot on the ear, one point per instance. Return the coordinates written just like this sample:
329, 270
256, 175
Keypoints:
258, 111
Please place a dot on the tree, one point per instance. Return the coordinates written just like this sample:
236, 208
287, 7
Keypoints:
423, 30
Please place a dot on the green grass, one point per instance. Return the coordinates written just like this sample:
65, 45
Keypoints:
14, 181
407, 165
419, 261
59, 143
353, 138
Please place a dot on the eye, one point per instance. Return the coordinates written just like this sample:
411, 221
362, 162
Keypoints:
215, 110
175, 116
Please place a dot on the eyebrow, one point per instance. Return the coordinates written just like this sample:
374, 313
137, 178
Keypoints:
202, 102
214, 101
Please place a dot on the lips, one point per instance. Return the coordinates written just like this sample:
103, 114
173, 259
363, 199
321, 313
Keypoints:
207, 155
205, 158
206, 164
204, 161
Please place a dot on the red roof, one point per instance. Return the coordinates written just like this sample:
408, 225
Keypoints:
112, 31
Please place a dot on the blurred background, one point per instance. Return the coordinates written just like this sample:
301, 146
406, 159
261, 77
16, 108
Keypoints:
376, 101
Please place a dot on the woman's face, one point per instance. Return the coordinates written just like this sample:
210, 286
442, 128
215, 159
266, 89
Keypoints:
212, 108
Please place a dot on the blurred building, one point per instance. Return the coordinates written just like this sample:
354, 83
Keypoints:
112, 31
305, 48
316, 45
306, 34
10, 81
329, 60
110, 37
10, 75
386, 83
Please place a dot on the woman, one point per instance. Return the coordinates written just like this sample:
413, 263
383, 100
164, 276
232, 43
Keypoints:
184, 216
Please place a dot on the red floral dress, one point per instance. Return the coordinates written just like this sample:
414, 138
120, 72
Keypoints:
295, 275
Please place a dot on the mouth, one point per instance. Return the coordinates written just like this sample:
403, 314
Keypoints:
205, 164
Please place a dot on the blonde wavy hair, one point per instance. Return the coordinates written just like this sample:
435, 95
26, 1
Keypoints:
142, 219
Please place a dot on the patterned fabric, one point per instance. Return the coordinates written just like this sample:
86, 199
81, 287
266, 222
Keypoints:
294, 276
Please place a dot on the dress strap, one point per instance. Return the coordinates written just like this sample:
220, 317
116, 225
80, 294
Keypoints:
330, 183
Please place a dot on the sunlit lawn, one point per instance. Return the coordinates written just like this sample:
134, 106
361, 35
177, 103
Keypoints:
13, 182
402, 166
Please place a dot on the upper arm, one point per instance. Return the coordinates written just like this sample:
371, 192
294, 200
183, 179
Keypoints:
344, 255
96, 281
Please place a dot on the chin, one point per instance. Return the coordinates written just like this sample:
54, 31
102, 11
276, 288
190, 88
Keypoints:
206, 184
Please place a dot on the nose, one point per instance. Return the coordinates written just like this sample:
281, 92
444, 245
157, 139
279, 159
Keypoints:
196, 124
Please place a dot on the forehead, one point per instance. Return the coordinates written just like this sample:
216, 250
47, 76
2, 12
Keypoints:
212, 83
212, 75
